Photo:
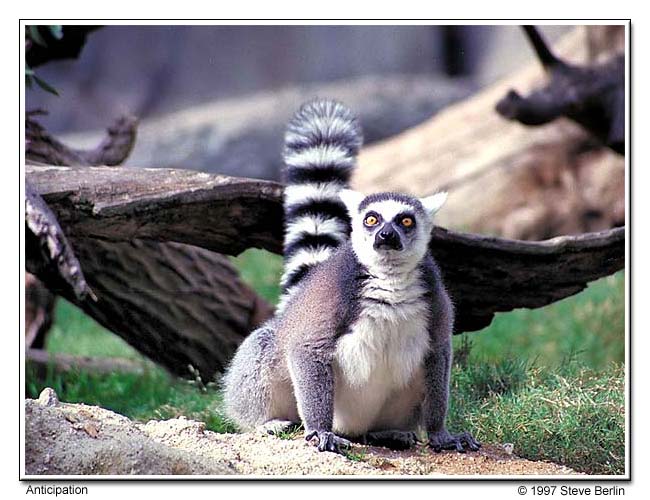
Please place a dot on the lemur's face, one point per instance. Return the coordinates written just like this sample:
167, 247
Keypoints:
391, 228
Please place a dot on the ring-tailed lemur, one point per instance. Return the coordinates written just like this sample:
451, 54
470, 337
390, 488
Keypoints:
360, 347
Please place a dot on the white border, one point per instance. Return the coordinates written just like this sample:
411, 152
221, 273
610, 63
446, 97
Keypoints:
525, 478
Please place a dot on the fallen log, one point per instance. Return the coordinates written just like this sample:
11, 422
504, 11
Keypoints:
484, 274
182, 306
505, 178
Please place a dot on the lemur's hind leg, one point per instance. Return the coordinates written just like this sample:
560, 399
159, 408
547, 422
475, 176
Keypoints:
393, 439
253, 387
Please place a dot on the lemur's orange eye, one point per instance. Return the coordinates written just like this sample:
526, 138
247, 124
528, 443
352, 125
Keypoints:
407, 222
371, 220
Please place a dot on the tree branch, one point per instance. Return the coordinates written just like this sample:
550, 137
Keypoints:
485, 275
591, 95
41, 147
49, 254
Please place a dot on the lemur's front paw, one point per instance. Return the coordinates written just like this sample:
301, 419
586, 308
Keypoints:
327, 441
443, 440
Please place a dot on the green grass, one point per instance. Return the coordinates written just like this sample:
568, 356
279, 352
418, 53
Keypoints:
151, 395
550, 380
261, 270
588, 328
75, 333
577, 419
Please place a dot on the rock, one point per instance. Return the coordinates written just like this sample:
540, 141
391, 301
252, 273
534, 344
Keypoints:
79, 439
48, 397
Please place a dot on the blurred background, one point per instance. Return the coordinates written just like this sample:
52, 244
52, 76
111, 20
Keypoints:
148, 71
195, 84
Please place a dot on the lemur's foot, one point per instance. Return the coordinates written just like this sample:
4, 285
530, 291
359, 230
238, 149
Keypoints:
277, 427
395, 440
327, 441
462, 442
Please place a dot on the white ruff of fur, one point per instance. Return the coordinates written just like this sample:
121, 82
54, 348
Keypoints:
378, 363
382, 355
390, 337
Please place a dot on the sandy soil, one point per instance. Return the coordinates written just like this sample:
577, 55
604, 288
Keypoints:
64, 438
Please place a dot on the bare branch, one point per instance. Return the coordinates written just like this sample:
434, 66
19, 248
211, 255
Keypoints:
49, 254
591, 95
485, 275
41, 147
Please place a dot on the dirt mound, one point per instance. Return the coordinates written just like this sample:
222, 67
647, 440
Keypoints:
64, 438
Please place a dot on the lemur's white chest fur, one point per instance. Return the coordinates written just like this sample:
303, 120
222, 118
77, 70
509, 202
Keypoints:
383, 352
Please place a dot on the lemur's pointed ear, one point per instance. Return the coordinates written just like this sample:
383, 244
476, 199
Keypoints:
434, 202
351, 199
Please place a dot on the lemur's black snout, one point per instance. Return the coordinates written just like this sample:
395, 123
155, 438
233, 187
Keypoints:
388, 237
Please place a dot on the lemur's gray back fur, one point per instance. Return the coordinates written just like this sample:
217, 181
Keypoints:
321, 145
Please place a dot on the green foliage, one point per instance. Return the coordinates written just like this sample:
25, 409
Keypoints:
356, 455
151, 395
588, 327
34, 34
291, 433
550, 381
261, 270
576, 419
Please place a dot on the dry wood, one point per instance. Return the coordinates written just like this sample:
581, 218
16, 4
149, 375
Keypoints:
180, 305
50, 255
484, 275
183, 307
39, 311
504, 178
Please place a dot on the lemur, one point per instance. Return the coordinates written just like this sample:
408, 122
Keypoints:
360, 346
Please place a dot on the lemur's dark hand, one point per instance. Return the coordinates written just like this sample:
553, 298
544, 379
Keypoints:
443, 440
327, 441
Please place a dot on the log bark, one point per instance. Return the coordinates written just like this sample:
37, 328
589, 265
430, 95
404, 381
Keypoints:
39, 311
180, 305
51, 255
505, 178
484, 275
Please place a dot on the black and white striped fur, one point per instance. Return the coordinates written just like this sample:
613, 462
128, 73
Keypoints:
321, 145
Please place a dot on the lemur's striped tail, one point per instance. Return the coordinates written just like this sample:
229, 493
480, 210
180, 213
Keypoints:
321, 144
